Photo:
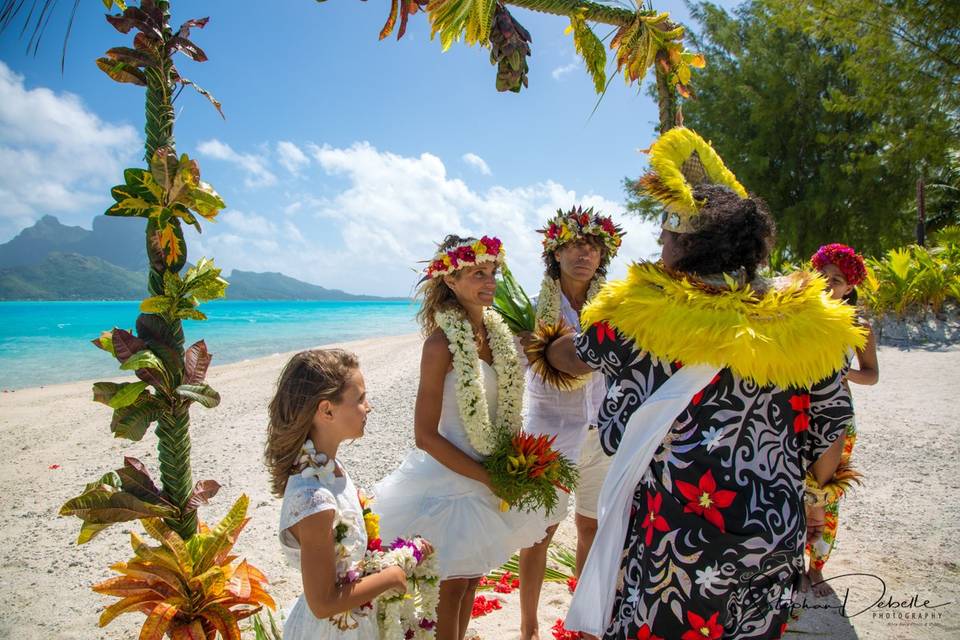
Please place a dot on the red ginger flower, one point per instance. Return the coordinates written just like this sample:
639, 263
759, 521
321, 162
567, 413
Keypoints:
702, 629
705, 500
800, 403
653, 519
646, 634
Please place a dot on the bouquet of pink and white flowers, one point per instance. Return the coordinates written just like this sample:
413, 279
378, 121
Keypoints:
412, 615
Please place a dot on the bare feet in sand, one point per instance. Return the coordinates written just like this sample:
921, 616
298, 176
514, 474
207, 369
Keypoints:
814, 580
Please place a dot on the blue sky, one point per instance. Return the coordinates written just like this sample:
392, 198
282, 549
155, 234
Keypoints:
342, 158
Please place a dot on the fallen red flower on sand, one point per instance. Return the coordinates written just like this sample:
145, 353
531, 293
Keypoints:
506, 584
54, 466
562, 633
572, 584
483, 605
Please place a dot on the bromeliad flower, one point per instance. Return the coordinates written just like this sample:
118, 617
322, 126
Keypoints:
800, 404
653, 519
702, 629
706, 500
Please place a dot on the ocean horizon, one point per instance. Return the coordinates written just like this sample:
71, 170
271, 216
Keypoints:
43, 343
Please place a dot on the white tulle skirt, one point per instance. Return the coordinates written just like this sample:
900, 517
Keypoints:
460, 517
301, 624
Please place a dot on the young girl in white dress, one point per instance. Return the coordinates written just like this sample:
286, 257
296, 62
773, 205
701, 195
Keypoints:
320, 402
471, 385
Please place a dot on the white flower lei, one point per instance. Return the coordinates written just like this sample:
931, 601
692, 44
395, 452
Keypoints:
548, 310
413, 614
480, 430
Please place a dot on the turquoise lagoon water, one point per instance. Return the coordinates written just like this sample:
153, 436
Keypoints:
49, 342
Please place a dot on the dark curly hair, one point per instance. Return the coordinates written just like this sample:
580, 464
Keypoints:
732, 233
553, 265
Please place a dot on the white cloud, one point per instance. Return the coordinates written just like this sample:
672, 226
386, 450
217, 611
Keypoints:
291, 157
56, 156
559, 72
257, 173
477, 163
369, 234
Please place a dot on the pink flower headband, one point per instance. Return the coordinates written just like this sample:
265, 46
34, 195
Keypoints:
486, 249
844, 258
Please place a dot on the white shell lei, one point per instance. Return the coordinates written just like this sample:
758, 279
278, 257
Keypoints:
311, 464
480, 429
548, 310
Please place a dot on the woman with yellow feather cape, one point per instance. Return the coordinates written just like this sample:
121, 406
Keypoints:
724, 389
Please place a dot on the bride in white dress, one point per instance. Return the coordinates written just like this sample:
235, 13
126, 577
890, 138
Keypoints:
471, 386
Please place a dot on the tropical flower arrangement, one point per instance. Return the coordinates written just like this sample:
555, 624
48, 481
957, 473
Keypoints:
525, 470
486, 249
411, 615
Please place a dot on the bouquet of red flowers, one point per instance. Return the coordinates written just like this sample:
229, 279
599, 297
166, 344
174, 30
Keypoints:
527, 471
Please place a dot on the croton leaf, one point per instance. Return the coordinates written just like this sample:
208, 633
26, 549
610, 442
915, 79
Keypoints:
186, 312
206, 548
135, 57
122, 71
105, 342
135, 18
167, 245
102, 505
205, 201
135, 479
204, 282
133, 421
201, 393
117, 396
201, 494
164, 167
144, 359
184, 29
188, 631
196, 360
140, 195
206, 94
156, 305
125, 344
185, 46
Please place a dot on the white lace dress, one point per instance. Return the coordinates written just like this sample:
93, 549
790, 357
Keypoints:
305, 496
459, 516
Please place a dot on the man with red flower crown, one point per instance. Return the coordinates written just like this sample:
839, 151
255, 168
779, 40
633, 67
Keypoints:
723, 390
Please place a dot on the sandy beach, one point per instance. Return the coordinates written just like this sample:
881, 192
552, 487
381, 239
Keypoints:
900, 532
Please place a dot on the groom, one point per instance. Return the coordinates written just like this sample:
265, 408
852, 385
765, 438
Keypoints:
577, 248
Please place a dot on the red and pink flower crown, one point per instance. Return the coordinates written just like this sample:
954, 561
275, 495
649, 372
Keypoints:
844, 258
577, 223
473, 252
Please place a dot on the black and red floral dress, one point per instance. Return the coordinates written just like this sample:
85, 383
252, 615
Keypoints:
714, 548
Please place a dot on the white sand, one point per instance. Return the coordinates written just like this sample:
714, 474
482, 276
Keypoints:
904, 526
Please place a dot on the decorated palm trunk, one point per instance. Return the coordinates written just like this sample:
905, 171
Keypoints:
210, 592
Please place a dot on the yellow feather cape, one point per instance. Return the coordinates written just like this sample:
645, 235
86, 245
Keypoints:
792, 335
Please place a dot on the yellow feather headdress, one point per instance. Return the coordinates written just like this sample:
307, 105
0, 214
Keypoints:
680, 160
791, 334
